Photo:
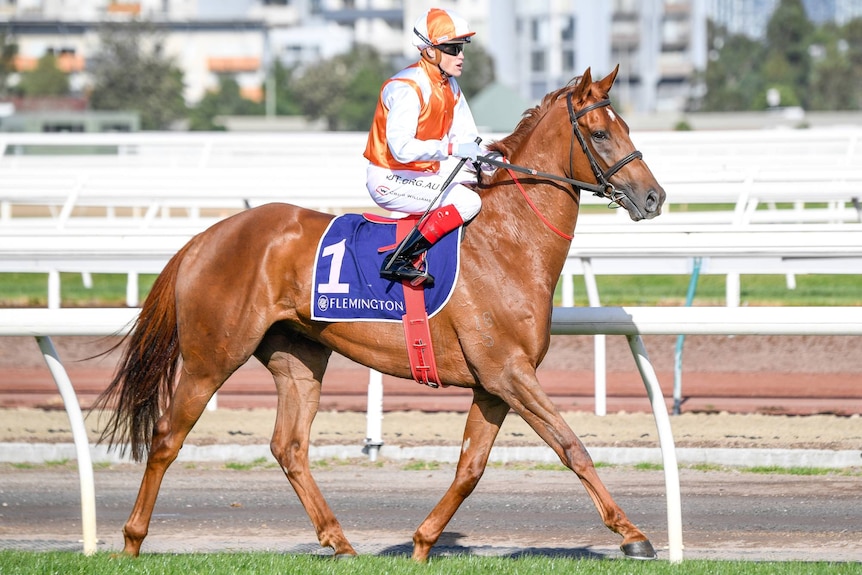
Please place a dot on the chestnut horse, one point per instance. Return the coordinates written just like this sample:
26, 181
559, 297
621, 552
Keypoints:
242, 288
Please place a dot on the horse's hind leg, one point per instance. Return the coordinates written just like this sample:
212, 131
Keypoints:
483, 423
187, 404
297, 365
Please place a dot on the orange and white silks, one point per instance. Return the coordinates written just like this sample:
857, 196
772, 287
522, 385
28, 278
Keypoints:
418, 114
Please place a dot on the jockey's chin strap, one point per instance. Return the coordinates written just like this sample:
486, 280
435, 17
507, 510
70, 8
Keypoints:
603, 188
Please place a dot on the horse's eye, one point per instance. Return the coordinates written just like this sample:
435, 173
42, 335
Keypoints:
600, 135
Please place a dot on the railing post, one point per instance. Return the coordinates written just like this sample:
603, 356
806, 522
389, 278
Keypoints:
82, 445
132, 289
668, 450
54, 298
680, 339
374, 415
599, 343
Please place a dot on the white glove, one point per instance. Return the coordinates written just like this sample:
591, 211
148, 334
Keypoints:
468, 150
489, 168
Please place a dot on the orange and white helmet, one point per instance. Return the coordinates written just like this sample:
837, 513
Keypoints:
438, 26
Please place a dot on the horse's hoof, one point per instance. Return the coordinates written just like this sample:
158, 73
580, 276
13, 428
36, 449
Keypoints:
639, 550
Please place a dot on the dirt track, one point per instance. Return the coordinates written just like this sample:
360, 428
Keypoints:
744, 374
513, 512
254, 427
738, 393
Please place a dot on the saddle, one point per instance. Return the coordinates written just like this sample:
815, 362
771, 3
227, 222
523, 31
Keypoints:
347, 285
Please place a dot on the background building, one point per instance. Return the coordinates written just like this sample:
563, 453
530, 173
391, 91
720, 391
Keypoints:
537, 46
749, 17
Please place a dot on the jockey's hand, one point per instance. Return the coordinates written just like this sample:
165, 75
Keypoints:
489, 168
467, 150
486, 168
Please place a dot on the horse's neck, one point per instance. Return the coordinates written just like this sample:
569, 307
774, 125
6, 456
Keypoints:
508, 214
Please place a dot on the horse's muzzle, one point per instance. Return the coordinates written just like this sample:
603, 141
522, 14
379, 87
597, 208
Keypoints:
653, 203
646, 207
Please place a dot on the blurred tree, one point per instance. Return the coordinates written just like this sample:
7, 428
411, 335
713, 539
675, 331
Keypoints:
853, 36
226, 101
478, 70
46, 80
832, 85
733, 78
788, 37
286, 100
130, 72
787, 96
343, 90
8, 50
363, 92
818, 68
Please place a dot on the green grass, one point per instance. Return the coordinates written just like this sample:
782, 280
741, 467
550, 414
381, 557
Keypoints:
773, 469
31, 290
259, 463
67, 563
421, 465
757, 290
109, 290
646, 466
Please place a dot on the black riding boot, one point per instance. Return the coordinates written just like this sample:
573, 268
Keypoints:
400, 267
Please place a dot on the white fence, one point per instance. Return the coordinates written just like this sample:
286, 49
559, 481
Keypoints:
596, 250
150, 176
186, 181
631, 322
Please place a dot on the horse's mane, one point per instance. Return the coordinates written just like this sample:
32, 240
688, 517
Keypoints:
529, 119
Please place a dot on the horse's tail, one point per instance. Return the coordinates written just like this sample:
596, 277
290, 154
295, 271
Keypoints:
144, 380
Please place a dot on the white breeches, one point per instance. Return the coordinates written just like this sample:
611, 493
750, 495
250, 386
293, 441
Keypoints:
411, 192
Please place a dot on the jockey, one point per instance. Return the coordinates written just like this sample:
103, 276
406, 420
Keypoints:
422, 118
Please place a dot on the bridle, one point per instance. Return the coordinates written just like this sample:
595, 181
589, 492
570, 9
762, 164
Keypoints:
604, 188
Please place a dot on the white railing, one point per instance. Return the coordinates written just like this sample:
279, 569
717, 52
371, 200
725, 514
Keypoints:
157, 176
631, 322
596, 250
718, 250
728, 250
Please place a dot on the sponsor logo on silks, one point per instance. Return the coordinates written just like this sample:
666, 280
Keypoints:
381, 190
431, 184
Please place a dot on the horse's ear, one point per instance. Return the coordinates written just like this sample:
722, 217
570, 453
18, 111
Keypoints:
608, 81
583, 86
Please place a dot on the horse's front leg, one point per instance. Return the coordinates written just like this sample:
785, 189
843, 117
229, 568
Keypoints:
524, 393
483, 423
297, 367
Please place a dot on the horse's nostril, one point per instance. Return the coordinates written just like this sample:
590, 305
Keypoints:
652, 201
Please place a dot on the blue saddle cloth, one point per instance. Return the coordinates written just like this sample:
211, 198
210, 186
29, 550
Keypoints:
347, 283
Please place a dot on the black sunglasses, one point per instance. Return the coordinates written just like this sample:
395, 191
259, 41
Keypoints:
451, 49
